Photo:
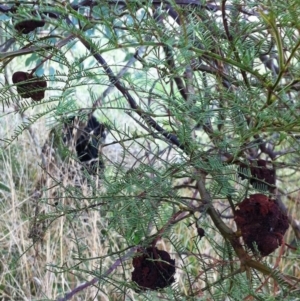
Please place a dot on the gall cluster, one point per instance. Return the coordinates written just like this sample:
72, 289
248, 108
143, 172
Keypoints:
262, 223
87, 143
29, 85
27, 26
153, 269
260, 173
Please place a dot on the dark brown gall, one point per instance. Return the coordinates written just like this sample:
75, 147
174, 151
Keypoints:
29, 85
260, 173
262, 223
201, 232
27, 26
153, 269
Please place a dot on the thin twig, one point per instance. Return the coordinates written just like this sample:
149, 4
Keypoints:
85, 285
120, 86
111, 87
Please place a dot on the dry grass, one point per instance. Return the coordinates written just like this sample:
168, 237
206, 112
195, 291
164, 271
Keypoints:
31, 245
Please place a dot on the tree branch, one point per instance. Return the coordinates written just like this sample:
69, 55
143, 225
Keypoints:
83, 286
119, 85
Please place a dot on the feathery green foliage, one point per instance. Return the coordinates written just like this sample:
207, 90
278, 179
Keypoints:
196, 107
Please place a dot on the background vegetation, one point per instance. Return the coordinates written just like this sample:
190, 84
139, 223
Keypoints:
199, 100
